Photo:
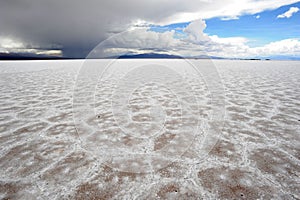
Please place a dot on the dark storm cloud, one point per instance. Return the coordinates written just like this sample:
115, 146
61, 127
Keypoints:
67, 24
74, 25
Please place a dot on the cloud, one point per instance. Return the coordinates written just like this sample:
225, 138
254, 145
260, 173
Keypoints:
8, 43
196, 42
290, 47
195, 31
289, 13
229, 18
138, 40
13, 45
229, 40
78, 26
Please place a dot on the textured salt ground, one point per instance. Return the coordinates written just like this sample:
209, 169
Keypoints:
257, 155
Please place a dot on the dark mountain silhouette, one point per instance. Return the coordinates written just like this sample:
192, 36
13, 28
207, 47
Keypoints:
27, 56
161, 56
148, 55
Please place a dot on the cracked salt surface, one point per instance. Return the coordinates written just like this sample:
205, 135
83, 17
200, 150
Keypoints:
257, 155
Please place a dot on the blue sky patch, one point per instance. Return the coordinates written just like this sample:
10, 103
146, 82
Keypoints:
258, 30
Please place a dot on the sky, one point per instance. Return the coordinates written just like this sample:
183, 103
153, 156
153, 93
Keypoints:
222, 28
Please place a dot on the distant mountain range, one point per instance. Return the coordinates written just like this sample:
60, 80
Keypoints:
164, 56
282, 58
149, 55
29, 56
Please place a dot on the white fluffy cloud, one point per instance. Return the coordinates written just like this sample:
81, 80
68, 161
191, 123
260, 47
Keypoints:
196, 43
195, 32
289, 13
78, 26
137, 40
228, 9
290, 47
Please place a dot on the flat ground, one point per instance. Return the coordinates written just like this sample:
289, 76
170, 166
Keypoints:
43, 156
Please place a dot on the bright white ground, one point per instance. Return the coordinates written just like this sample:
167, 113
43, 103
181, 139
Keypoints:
43, 156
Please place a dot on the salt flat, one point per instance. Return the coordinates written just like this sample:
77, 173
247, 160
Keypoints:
51, 149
